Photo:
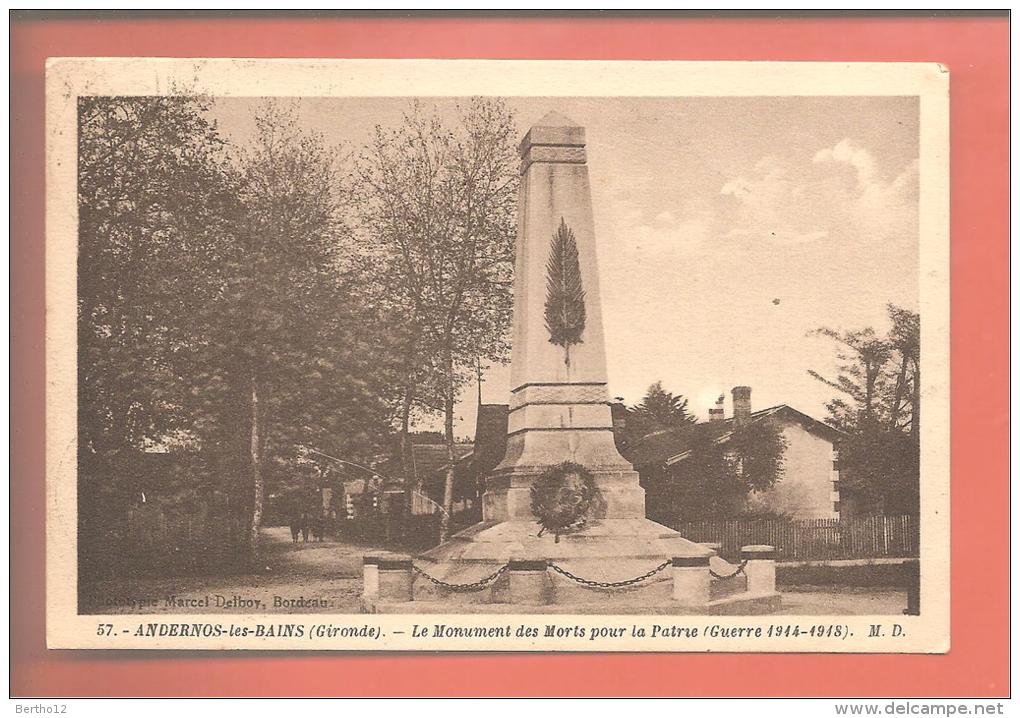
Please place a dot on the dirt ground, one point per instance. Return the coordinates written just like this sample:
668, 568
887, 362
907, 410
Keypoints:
325, 577
327, 574
810, 601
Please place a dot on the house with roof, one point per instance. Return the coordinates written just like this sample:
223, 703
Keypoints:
362, 496
428, 463
474, 464
809, 487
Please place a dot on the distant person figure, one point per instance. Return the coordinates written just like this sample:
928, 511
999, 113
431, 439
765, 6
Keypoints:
305, 527
296, 525
318, 527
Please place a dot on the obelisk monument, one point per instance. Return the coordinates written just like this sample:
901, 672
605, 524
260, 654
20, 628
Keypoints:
559, 409
559, 401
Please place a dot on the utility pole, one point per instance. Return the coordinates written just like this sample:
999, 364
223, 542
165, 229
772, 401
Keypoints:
478, 376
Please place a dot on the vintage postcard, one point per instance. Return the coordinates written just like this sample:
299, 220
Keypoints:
497, 355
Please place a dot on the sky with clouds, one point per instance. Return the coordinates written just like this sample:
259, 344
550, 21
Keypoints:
727, 229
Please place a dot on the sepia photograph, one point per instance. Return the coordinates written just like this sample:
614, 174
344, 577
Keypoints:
531, 357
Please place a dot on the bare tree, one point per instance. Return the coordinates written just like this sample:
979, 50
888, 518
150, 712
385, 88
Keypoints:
439, 199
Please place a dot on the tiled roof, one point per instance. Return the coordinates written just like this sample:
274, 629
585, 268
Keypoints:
671, 445
655, 448
428, 459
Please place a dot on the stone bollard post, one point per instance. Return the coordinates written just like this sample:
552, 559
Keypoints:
760, 569
370, 576
713, 546
529, 583
913, 571
691, 580
396, 579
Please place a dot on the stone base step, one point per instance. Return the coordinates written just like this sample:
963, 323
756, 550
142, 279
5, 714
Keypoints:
738, 605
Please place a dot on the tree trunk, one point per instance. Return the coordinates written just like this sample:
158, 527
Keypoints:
406, 455
412, 482
901, 384
870, 376
256, 477
915, 404
448, 400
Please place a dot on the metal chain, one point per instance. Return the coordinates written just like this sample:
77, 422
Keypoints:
739, 570
464, 587
610, 584
484, 582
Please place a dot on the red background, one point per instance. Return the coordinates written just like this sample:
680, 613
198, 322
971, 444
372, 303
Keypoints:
976, 50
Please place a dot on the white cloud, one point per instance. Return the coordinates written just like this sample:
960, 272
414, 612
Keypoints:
790, 203
649, 232
772, 205
846, 152
785, 237
880, 210
874, 193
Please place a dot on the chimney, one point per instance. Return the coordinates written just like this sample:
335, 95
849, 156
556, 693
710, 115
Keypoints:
717, 412
741, 405
619, 413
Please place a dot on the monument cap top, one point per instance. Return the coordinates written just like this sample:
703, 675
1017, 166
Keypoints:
553, 130
552, 118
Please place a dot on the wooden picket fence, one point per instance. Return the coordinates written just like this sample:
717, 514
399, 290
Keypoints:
860, 537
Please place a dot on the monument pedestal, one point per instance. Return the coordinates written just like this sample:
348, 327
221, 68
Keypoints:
580, 574
605, 551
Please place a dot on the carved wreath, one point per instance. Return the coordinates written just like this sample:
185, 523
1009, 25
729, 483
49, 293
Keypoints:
563, 498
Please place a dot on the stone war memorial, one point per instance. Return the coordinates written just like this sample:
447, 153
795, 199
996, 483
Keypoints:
563, 528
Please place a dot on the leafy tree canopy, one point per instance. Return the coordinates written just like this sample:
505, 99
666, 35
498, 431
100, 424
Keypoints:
657, 411
878, 406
